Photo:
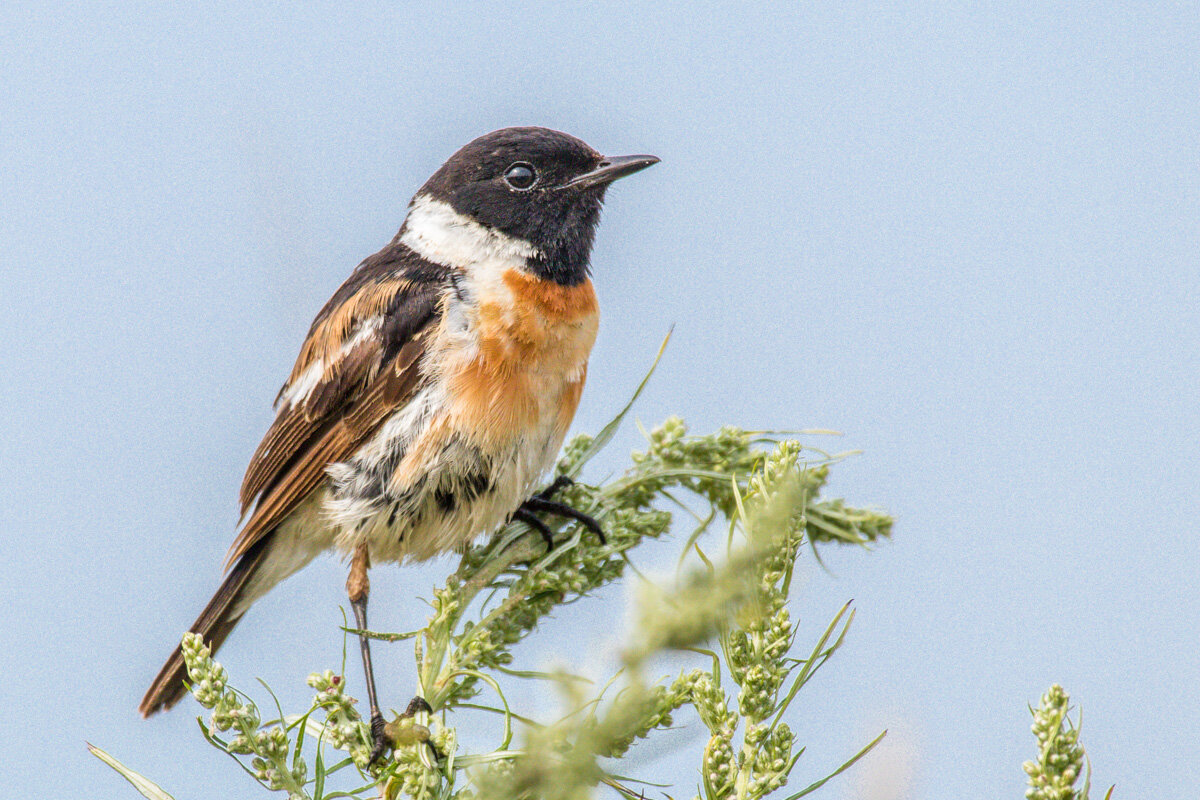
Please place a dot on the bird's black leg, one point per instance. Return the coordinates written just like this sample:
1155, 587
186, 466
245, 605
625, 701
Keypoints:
358, 586
541, 501
521, 515
537, 503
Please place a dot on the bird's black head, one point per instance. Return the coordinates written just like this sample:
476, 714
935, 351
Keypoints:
537, 185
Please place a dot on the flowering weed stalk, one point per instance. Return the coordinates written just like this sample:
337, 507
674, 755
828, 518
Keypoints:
754, 498
1061, 760
755, 501
739, 598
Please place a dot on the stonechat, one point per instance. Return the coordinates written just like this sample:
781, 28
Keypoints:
435, 387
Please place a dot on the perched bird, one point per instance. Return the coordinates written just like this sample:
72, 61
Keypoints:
435, 387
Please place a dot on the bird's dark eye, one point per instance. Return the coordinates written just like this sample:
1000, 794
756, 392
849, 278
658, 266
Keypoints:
521, 175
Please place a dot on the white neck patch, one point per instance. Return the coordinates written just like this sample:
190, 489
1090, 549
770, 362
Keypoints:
438, 233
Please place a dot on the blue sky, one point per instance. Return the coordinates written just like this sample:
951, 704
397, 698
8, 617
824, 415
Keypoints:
965, 235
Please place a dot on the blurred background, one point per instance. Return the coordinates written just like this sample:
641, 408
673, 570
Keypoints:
965, 235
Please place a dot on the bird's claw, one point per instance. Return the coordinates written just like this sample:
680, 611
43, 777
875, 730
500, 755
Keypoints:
415, 706
560, 482
379, 737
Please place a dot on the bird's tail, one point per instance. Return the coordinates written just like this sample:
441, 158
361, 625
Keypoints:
214, 623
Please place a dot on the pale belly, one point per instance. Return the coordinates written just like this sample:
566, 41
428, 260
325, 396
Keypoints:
459, 492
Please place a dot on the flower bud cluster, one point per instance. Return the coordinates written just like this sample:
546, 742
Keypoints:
209, 687
1060, 758
759, 636
447, 601
709, 700
653, 711
207, 677
759, 684
777, 500
762, 636
833, 521
770, 756
344, 728
726, 452
573, 453
270, 746
719, 769
756, 654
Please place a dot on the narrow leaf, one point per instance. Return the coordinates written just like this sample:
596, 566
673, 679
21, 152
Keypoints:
608, 431
814, 786
811, 665
147, 787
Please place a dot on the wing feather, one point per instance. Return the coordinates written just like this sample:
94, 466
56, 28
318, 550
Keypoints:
368, 349
297, 423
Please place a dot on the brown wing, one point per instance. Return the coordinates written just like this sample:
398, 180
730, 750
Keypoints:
359, 364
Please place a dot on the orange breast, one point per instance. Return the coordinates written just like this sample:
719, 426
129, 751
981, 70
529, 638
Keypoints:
524, 370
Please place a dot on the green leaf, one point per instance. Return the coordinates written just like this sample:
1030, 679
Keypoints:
816, 659
489, 758
812, 787
532, 723
147, 787
319, 779
383, 637
490, 681
608, 431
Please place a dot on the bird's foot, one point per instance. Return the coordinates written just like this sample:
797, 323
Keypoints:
530, 519
541, 502
379, 738
415, 706
402, 730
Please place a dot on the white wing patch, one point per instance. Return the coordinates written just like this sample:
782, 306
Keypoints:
300, 389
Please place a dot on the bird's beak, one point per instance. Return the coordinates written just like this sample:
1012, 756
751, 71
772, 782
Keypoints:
611, 168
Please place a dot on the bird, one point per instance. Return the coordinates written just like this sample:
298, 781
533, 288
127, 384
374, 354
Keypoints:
434, 388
